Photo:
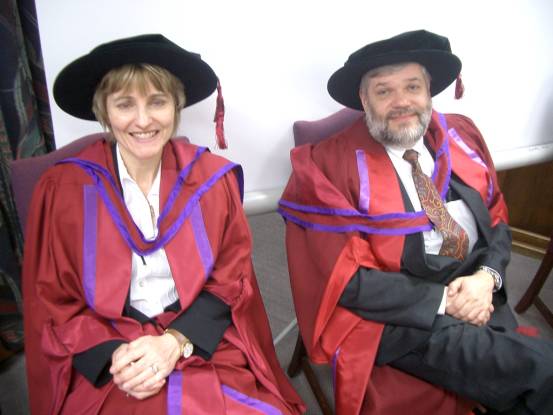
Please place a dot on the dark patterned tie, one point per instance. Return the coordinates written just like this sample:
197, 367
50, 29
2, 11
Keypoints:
456, 241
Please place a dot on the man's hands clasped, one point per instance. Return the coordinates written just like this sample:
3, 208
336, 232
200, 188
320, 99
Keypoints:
469, 298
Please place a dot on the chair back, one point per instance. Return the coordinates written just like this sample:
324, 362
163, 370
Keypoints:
315, 131
26, 172
312, 132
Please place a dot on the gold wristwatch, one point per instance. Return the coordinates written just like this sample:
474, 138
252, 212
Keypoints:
186, 346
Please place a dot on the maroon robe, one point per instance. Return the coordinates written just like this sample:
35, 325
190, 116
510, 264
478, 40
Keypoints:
344, 209
77, 272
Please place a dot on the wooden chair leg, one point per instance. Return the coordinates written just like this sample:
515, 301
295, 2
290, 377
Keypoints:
544, 310
537, 283
300, 361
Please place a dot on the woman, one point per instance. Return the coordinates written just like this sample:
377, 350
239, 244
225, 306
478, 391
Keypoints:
145, 299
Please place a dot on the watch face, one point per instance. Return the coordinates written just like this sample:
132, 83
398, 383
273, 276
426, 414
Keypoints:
187, 350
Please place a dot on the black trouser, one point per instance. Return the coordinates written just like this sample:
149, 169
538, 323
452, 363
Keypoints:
503, 370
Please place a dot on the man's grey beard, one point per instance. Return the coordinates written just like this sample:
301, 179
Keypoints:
405, 137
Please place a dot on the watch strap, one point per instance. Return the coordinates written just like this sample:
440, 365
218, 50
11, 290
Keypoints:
185, 345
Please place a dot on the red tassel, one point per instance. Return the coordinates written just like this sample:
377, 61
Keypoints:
459, 88
219, 118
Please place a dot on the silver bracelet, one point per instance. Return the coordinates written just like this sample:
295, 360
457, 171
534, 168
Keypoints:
497, 280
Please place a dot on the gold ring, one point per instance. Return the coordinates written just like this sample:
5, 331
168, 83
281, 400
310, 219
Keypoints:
154, 368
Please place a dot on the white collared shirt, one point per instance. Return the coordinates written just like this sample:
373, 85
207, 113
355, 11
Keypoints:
152, 285
458, 209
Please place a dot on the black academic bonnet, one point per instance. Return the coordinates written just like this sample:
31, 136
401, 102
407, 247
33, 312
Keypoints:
428, 49
75, 85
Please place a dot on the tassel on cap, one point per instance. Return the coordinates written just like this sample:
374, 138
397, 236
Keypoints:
220, 118
459, 87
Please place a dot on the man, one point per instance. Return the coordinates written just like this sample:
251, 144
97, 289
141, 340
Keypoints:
397, 228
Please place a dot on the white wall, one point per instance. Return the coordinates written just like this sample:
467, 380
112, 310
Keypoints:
274, 59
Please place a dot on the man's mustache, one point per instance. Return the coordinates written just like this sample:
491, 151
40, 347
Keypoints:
403, 111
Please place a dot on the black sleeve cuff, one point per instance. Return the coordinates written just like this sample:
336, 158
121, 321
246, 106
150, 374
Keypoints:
204, 323
392, 298
94, 363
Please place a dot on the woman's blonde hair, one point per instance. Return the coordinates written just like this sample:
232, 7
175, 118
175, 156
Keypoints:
138, 76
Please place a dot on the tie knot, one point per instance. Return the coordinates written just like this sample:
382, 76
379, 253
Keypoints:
411, 156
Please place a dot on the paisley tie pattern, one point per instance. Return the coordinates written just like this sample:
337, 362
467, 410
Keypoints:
455, 239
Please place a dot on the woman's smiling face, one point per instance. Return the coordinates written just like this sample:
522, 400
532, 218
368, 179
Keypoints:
141, 123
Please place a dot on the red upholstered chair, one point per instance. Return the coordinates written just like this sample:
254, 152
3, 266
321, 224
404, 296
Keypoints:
26, 172
312, 132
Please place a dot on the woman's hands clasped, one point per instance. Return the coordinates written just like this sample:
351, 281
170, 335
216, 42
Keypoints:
140, 367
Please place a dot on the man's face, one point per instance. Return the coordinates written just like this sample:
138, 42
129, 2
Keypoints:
398, 105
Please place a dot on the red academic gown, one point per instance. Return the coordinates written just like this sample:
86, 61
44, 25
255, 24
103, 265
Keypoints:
343, 209
76, 278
